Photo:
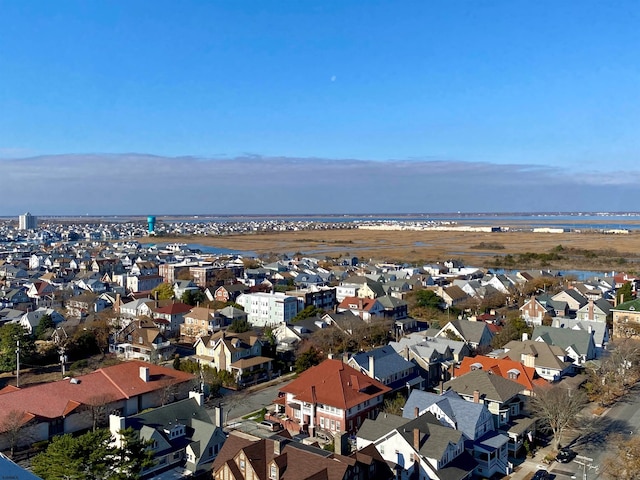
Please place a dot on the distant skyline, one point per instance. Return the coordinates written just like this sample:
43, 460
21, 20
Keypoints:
319, 106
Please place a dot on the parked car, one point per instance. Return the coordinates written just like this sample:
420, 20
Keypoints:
565, 455
541, 475
271, 426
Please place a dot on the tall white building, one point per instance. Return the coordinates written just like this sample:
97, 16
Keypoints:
268, 308
27, 222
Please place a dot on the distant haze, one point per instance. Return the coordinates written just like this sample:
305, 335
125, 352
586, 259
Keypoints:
138, 184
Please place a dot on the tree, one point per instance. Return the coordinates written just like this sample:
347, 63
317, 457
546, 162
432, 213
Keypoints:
624, 464
624, 293
193, 297
394, 405
11, 333
135, 455
428, 299
307, 312
308, 359
164, 290
13, 426
97, 405
176, 362
87, 457
513, 328
557, 408
46, 324
239, 325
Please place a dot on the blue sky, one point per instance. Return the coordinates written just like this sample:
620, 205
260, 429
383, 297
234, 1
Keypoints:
348, 90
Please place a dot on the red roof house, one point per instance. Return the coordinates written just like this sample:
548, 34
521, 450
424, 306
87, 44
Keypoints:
331, 397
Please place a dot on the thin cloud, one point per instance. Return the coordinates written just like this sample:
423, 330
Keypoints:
132, 183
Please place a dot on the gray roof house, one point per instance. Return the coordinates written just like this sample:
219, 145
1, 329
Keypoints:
418, 448
473, 420
388, 367
578, 344
599, 330
476, 334
182, 434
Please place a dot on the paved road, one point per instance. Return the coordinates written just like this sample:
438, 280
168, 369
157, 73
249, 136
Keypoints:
238, 404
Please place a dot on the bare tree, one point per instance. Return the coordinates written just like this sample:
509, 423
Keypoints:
624, 463
13, 425
557, 408
98, 405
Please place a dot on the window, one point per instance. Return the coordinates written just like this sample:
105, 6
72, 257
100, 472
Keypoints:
321, 422
338, 426
273, 472
242, 464
333, 424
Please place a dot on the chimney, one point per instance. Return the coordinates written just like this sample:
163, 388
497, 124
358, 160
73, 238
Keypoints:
199, 396
372, 362
155, 297
144, 374
622, 298
525, 336
330, 356
218, 419
476, 396
341, 443
416, 412
360, 304
590, 310
277, 447
416, 438
116, 425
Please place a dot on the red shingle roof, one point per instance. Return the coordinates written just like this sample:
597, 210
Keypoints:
336, 384
118, 382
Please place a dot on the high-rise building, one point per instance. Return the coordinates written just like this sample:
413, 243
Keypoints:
27, 222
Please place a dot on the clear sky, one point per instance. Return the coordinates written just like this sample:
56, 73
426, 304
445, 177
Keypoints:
550, 86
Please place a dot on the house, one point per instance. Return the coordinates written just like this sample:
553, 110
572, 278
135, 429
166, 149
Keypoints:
289, 335
31, 320
598, 330
393, 308
229, 293
41, 293
388, 367
181, 435
475, 334
550, 362
244, 456
173, 314
626, 320
85, 303
79, 403
180, 287
595, 311
418, 448
505, 368
134, 308
331, 397
578, 344
141, 340
199, 321
143, 283
237, 353
365, 308
452, 295
319, 297
533, 311
482, 441
345, 321
503, 397
575, 300
268, 308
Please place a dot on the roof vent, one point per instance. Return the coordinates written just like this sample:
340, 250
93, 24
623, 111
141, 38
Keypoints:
75, 381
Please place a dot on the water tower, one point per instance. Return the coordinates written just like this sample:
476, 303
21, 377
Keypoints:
151, 221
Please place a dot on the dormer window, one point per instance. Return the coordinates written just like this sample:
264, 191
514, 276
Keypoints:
513, 374
476, 366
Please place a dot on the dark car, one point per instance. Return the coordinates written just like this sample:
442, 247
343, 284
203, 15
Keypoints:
565, 455
541, 475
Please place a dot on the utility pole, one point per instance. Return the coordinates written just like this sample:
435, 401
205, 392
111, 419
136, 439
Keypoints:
17, 363
63, 359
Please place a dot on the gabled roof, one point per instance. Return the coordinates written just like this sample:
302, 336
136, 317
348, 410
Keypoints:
491, 387
630, 306
547, 356
470, 331
336, 384
386, 361
578, 340
525, 376
466, 415
174, 308
361, 304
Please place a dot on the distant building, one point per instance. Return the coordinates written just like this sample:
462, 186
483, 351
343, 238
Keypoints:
27, 222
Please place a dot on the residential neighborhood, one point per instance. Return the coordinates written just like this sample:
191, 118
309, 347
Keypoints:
381, 370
